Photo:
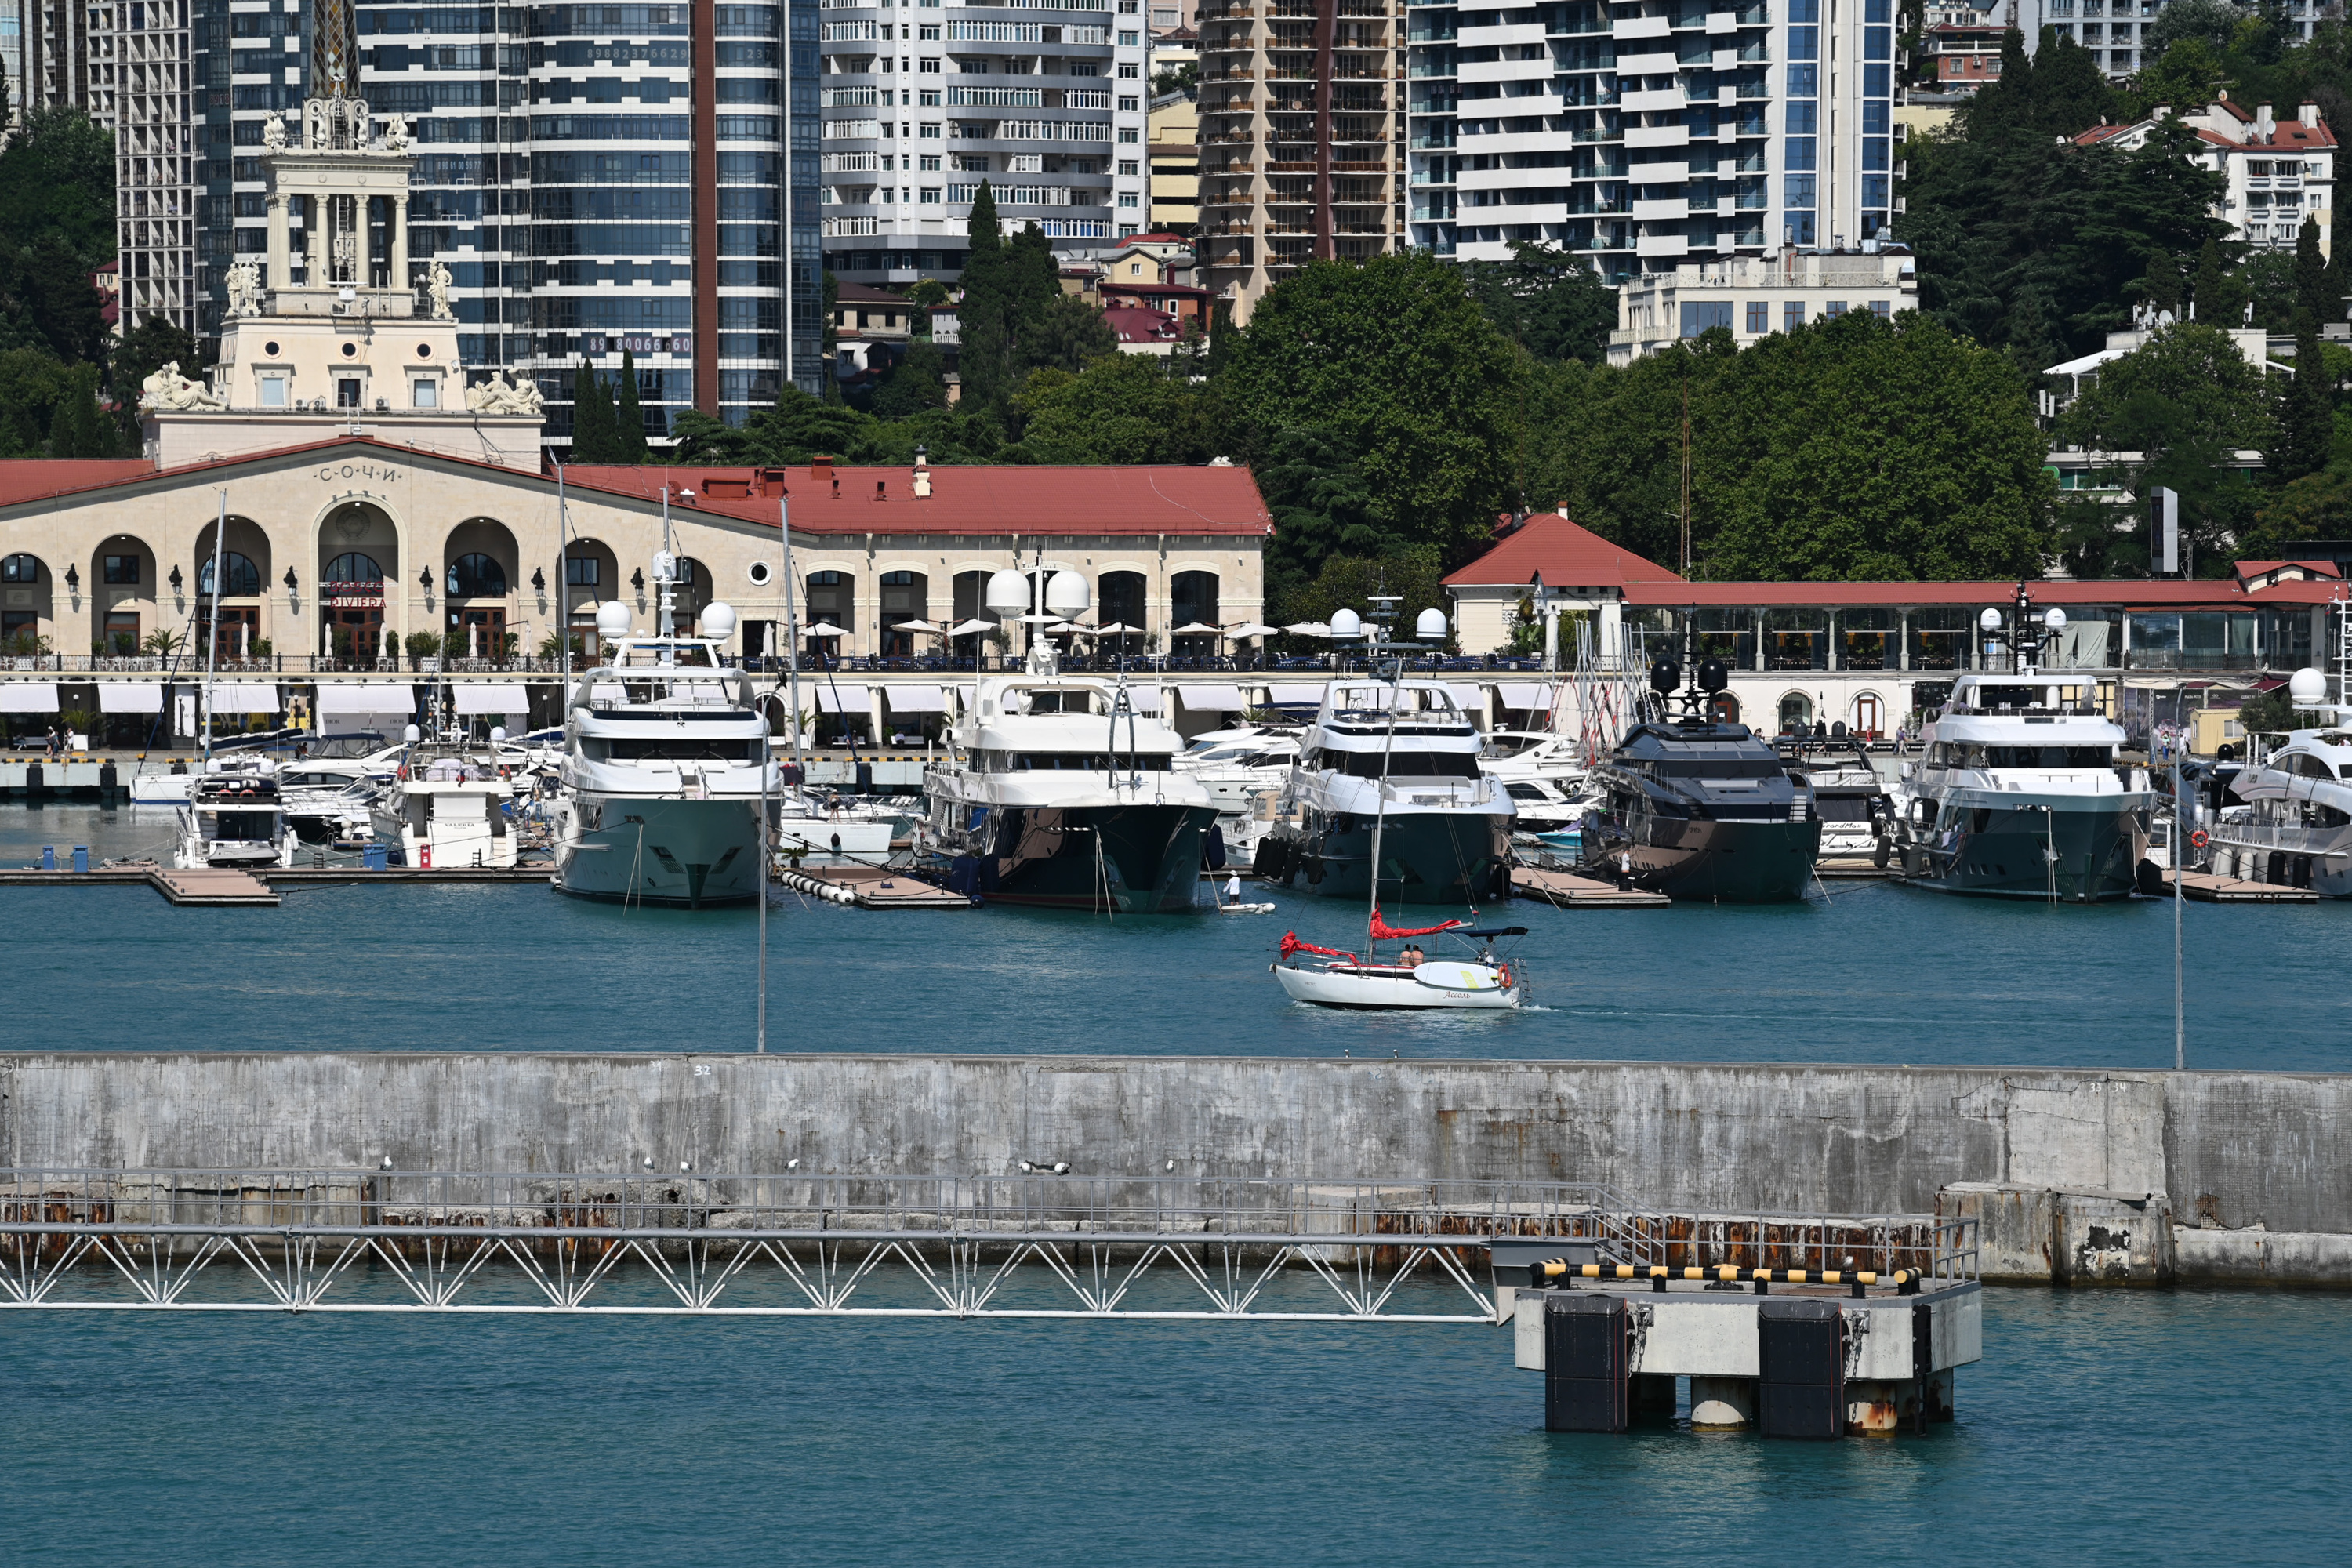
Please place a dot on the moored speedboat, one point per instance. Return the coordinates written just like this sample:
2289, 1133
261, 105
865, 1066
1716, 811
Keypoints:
2295, 829
233, 819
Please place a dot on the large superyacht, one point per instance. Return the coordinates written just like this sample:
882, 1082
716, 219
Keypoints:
1056, 792
2017, 793
666, 768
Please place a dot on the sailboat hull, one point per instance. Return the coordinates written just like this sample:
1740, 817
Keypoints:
1383, 988
1114, 859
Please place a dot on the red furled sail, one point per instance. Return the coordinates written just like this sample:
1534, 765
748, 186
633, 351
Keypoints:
1290, 944
1383, 932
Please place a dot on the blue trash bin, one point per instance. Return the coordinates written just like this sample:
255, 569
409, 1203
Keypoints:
371, 857
81, 857
49, 858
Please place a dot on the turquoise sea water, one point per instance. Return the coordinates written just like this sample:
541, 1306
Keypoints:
1870, 973
2100, 1427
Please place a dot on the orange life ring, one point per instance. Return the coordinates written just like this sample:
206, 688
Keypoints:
2197, 838
1505, 972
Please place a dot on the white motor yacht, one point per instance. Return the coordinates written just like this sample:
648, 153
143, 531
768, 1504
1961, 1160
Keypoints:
447, 807
1405, 750
2016, 794
666, 768
1055, 792
233, 819
2295, 830
1234, 774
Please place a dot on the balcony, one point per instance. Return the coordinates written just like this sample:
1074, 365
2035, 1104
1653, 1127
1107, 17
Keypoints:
1626, 27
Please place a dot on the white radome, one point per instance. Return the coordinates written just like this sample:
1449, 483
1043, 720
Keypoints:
1008, 593
2307, 688
612, 619
718, 620
1066, 596
1346, 624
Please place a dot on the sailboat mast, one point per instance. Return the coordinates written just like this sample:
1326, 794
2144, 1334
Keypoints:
1380, 802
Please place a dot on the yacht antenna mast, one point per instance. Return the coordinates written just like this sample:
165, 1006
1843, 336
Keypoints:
791, 628
212, 623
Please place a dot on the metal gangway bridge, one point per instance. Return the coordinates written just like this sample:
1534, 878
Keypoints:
1035, 1245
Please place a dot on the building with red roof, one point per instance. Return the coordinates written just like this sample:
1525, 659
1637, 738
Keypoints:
2280, 172
1870, 654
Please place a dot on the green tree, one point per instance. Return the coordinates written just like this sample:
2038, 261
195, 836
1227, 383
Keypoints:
2307, 424
1547, 301
1068, 334
2219, 294
1349, 582
1321, 509
1394, 358
34, 383
2185, 78
984, 359
916, 383
591, 417
628, 436
2186, 402
1123, 408
57, 181
1858, 448
2214, 22
80, 427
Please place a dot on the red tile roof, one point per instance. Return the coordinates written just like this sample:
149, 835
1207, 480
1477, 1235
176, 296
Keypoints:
1142, 324
2169, 594
1030, 501
36, 479
1567, 556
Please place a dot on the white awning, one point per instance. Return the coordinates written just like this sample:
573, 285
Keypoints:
1526, 695
1145, 698
240, 698
832, 699
28, 697
378, 700
1470, 699
1213, 699
493, 697
1295, 695
130, 696
915, 699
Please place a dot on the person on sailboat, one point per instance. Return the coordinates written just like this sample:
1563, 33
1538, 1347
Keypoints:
1411, 955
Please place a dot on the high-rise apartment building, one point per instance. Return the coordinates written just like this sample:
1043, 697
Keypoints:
1640, 133
1303, 132
921, 102
585, 197
144, 87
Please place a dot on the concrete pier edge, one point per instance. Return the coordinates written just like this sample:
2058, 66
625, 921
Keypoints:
2079, 1175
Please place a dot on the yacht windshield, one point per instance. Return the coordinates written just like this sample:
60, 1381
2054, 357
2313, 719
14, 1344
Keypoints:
674, 748
1403, 764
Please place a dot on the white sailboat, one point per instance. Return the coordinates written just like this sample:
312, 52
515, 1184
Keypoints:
1484, 984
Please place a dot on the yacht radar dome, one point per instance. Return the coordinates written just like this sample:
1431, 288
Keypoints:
497, 734
664, 566
612, 619
2307, 688
718, 620
1430, 625
2054, 618
1989, 620
1346, 624
1008, 594
411, 734
1066, 594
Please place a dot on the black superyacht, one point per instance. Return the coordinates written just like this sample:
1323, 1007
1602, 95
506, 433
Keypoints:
1695, 807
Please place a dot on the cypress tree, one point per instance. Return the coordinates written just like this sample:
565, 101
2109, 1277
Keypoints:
1033, 281
986, 340
591, 417
2220, 298
78, 430
629, 417
2307, 422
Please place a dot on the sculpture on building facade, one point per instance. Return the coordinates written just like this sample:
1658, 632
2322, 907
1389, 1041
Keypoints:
167, 390
273, 135
244, 289
500, 395
396, 134
436, 289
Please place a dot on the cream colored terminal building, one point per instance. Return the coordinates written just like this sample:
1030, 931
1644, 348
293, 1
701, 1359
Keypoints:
371, 493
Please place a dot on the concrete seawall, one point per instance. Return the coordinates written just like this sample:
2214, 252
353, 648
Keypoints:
2250, 1153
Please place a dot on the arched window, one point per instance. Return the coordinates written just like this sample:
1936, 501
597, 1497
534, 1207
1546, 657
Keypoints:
354, 567
20, 569
1796, 712
1192, 596
244, 576
1122, 598
477, 576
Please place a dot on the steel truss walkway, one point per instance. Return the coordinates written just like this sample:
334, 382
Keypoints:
1025, 1246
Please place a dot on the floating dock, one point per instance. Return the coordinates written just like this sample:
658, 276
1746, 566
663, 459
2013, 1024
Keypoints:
871, 888
210, 887
1565, 890
2208, 889
1850, 868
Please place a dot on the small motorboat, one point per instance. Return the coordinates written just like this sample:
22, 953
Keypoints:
1481, 983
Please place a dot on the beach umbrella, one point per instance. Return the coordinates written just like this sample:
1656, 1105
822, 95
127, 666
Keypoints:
1309, 629
1198, 628
915, 627
825, 629
1256, 629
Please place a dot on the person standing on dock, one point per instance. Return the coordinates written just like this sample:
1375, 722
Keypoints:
50, 739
